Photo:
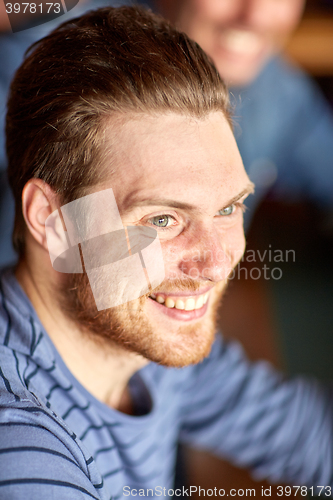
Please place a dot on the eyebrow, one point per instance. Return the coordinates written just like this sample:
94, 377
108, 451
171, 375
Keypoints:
186, 206
248, 190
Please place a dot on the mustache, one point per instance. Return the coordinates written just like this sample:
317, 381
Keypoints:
178, 284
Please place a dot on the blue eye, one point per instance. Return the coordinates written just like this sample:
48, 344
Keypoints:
160, 220
227, 211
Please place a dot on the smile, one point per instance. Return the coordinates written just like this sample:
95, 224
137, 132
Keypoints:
181, 307
185, 303
242, 42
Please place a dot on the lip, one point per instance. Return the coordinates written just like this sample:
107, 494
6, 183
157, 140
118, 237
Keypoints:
179, 314
180, 294
222, 51
242, 41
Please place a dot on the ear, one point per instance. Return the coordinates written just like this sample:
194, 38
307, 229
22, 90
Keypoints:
38, 202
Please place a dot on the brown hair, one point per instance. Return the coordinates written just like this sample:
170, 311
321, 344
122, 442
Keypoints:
110, 60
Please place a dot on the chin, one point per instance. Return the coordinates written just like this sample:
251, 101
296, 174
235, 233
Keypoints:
143, 326
182, 345
181, 338
239, 70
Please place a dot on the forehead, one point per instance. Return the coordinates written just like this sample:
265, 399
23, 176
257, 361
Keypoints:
175, 157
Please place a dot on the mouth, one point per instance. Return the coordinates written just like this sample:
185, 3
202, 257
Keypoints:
179, 306
241, 42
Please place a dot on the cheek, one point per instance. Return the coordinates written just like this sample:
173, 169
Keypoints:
230, 242
213, 10
234, 242
199, 17
287, 16
172, 251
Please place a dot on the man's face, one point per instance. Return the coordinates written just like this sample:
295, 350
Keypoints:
185, 178
239, 35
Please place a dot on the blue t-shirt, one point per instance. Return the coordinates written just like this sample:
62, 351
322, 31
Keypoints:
284, 131
57, 441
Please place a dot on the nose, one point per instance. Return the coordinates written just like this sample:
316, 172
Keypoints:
256, 14
207, 257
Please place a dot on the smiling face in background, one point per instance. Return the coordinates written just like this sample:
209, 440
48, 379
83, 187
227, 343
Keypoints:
239, 35
185, 178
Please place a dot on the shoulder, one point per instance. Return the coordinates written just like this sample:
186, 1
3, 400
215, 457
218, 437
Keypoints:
22, 411
36, 446
39, 455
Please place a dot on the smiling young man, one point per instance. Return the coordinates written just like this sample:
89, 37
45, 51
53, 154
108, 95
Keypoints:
119, 104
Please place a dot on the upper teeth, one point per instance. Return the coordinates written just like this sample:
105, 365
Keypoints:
186, 304
242, 41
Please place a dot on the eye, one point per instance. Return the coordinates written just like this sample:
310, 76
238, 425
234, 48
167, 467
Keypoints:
161, 220
227, 210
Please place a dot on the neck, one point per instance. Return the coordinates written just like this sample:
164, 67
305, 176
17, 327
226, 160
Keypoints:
103, 369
